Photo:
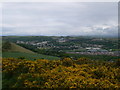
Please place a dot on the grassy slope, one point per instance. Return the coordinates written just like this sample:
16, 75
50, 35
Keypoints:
18, 48
18, 51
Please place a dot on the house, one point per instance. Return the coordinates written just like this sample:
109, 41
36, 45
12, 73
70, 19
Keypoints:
61, 40
92, 50
88, 48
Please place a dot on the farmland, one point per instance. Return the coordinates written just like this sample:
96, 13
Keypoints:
28, 56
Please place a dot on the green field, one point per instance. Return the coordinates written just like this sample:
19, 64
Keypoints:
27, 56
95, 57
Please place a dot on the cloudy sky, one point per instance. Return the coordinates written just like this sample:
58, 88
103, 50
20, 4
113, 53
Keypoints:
60, 18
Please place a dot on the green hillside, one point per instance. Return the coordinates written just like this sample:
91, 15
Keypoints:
12, 47
15, 51
27, 56
20, 49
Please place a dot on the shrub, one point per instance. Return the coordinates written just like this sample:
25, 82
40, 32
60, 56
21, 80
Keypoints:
21, 58
82, 60
118, 62
17, 73
67, 62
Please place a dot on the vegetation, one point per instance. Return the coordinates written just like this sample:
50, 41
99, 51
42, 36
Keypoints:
59, 49
108, 43
25, 66
8, 46
93, 57
28, 56
65, 73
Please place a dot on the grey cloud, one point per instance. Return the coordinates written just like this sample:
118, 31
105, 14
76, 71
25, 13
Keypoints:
59, 18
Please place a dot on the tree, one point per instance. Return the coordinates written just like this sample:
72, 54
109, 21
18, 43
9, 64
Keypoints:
6, 46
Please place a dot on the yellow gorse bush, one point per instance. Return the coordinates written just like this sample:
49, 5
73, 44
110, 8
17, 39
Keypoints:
64, 73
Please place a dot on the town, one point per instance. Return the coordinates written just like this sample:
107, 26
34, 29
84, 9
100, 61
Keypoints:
74, 45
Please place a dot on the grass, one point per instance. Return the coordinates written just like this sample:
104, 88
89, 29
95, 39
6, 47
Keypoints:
15, 47
27, 56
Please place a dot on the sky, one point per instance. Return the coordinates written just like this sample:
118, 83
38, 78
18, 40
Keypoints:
60, 18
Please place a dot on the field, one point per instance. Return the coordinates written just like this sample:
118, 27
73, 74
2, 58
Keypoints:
95, 57
28, 56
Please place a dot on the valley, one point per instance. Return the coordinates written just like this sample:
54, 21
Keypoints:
68, 46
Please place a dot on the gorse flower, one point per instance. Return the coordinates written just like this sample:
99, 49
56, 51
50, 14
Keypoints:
66, 73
